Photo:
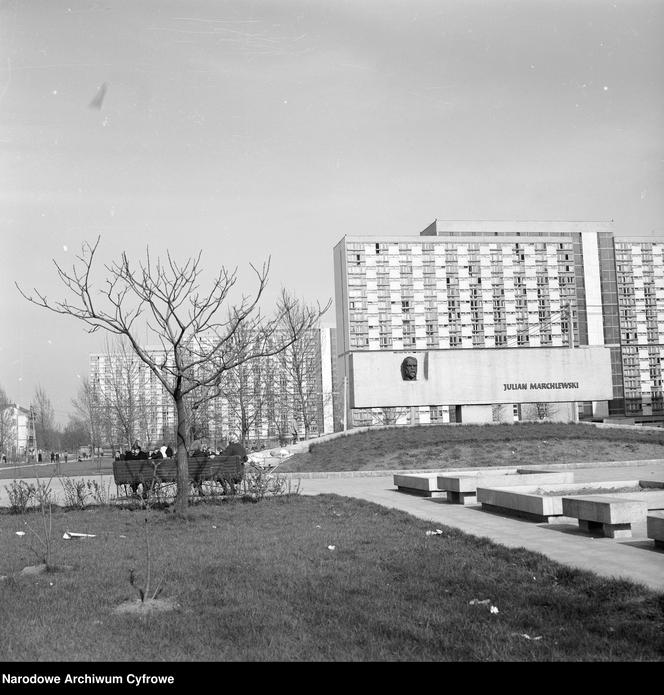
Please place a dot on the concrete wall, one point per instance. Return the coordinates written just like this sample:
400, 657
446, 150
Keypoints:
476, 414
481, 376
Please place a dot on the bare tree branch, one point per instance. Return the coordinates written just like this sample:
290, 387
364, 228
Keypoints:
201, 334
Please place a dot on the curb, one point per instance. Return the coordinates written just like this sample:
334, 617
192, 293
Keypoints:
306, 475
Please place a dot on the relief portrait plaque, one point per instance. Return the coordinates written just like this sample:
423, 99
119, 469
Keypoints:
409, 369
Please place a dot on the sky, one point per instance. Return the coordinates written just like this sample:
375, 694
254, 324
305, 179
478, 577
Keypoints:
251, 129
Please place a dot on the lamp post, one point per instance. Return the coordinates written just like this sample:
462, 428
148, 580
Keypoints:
570, 333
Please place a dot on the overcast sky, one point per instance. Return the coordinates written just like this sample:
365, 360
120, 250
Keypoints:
249, 129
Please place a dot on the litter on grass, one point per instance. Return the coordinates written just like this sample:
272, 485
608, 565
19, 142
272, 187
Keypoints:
479, 602
331, 547
525, 636
67, 535
20, 533
494, 609
437, 532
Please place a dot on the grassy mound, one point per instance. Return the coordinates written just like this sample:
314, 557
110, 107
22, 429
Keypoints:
466, 446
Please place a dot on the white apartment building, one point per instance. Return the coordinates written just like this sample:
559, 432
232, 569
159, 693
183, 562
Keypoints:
531, 287
640, 289
261, 400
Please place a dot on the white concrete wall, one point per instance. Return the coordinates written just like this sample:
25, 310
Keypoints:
591, 280
478, 414
481, 376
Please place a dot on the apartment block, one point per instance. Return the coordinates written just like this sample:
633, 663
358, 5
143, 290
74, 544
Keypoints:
640, 291
532, 286
264, 399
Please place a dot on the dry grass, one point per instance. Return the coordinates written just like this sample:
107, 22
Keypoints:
319, 578
441, 446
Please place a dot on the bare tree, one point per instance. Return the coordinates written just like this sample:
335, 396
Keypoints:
75, 434
91, 413
301, 363
389, 416
44, 419
121, 397
245, 389
195, 328
540, 411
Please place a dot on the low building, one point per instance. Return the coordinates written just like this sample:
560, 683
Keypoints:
17, 433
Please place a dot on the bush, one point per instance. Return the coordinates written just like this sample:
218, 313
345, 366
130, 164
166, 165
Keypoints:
75, 493
20, 495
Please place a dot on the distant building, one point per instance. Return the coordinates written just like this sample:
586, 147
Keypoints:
17, 434
261, 400
458, 294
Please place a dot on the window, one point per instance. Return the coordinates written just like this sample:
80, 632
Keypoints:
436, 413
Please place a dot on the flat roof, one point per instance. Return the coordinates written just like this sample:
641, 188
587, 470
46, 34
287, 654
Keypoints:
502, 226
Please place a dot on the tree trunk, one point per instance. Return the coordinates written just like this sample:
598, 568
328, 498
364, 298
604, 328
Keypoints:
182, 495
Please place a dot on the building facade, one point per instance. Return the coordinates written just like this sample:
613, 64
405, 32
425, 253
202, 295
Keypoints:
265, 399
531, 286
17, 433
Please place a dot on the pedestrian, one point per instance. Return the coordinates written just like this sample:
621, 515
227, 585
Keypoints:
39, 456
52, 457
66, 456
235, 448
57, 457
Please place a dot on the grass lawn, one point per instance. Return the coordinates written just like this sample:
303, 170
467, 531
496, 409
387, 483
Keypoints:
300, 578
88, 468
477, 445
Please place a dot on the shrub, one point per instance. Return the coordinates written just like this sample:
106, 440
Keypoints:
75, 493
100, 493
20, 495
259, 484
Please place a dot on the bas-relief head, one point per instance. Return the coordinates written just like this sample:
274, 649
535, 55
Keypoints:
409, 369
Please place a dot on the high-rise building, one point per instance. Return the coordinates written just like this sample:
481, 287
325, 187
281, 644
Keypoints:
527, 288
263, 399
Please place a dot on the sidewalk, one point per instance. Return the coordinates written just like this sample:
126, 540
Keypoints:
633, 558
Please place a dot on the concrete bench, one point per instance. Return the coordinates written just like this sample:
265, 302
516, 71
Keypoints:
423, 484
543, 503
611, 516
462, 488
426, 483
655, 527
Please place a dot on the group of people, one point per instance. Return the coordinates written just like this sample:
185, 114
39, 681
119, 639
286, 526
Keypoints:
137, 453
55, 456
234, 448
198, 448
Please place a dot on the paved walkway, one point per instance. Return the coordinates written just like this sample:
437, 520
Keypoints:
636, 558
